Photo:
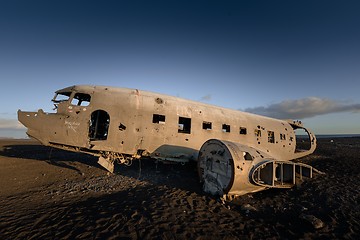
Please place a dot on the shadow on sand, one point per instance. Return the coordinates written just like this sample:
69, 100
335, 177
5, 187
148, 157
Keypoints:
53, 156
150, 170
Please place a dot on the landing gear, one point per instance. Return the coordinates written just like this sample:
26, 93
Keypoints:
107, 159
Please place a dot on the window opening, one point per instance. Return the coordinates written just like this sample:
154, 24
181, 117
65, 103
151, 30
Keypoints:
225, 128
184, 125
81, 99
122, 127
61, 97
271, 137
157, 118
282, 136
257, 133
243, 130
303, 140
99, 125
207, 125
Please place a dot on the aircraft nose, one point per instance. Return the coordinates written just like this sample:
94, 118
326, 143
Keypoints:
26, 118
31, 122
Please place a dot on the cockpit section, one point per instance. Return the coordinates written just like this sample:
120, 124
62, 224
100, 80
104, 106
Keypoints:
65, 97
69, 125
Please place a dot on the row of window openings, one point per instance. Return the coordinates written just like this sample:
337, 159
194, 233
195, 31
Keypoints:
184, 126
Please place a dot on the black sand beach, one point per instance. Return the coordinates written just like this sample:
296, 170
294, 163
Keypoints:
52, 194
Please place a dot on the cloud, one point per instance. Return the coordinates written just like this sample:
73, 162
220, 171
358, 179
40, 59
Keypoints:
206, 98
10, 124
304, 108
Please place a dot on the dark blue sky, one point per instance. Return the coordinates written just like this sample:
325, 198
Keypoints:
279, 58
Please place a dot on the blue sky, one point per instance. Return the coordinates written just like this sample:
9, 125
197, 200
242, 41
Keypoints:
285, 59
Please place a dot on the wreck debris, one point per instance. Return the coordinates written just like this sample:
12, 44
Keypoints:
315, 222
237, 152
235, 169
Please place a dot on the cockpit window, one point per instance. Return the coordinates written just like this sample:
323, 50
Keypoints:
61, 97
81, 99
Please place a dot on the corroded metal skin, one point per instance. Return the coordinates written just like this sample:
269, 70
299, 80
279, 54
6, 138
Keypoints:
119, 124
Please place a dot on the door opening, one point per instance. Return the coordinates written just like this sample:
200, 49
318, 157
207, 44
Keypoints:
99, 125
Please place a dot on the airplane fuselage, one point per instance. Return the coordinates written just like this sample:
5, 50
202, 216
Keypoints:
129, 123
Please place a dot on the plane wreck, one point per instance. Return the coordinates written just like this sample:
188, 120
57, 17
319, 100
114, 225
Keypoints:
236, 152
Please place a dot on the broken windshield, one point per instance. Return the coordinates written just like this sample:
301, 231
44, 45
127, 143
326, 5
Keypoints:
81, 99
61, 97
